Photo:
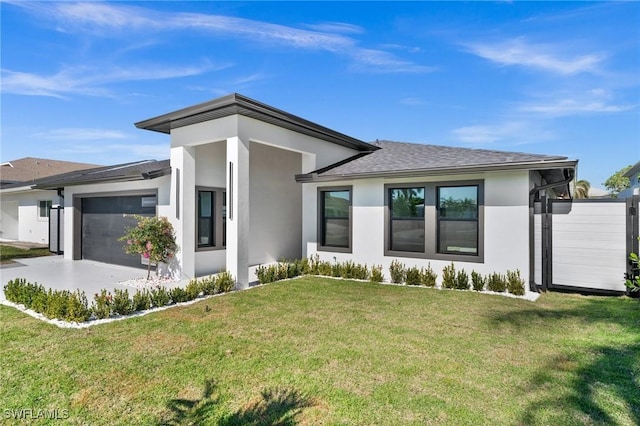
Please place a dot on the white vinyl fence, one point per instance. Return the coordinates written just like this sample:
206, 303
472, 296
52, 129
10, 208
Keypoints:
586, 245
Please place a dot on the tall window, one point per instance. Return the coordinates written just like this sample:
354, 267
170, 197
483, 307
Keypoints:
335, 219
43, 208
206, 219
407, 219
211, 218
435, 220
458, 219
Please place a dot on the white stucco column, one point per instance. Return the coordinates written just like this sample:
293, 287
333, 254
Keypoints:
183, 215
238, 210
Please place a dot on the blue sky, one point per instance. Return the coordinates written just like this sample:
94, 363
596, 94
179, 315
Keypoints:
542, 77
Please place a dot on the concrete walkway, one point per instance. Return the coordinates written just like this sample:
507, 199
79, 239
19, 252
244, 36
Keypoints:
59, 274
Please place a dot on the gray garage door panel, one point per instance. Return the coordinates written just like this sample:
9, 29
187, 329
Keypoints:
103, 223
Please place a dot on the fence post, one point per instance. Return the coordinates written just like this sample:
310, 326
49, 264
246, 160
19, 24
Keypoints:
545, 205
632, 231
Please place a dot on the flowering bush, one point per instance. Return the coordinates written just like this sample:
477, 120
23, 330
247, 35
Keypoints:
153, 238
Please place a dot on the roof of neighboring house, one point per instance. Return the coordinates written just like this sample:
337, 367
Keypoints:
30, 169
411, 159
139, 170
242, 105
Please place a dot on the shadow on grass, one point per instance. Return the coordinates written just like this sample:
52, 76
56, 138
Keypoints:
275, 407
599, 384
605, 391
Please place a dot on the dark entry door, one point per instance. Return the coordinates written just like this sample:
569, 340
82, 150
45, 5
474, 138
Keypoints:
103, 222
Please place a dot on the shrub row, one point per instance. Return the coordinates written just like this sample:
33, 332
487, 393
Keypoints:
314, 266
62, 304
68, 306
511, 282
398, 273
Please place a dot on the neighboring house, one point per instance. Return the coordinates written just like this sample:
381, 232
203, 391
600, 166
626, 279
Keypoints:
634, 182
250, 184
24, 212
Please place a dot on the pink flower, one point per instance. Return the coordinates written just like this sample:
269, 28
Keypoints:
149, 245
145, 254
129, 242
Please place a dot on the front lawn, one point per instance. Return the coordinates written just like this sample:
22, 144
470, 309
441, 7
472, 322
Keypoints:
7, 253
322, 351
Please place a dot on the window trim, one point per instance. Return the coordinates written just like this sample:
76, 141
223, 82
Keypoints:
217, 218
48, 207
431, 221
320, 219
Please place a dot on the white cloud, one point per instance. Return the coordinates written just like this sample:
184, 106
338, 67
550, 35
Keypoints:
108, 18
573, 107
541, 56
379, 61
91, 80
336, 27
81, 134
508, 133
592, 101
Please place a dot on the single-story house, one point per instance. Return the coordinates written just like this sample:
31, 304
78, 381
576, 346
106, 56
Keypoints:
24, 212
249, 184
633, 174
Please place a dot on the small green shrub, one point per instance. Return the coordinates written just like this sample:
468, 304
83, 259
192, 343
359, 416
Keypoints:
77, 307
224, 282
266, 274
101, 306
477, 281
303, 266
428, 276
347, 269
325, 268
397, 271
376, 274
462, 280
208, 285
122, 304
515, 284
39, 301
314, 263
449, 276
496, 282
159, 297
336, 270
360, 272
412, 276
178, 295
193, 289
56, 304
141, 300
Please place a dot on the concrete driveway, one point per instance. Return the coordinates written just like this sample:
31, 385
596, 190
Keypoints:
59, 274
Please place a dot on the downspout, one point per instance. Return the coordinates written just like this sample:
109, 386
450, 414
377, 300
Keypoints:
546, 217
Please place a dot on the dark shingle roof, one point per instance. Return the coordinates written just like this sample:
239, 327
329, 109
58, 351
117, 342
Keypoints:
402, 157
139, 170
30, 169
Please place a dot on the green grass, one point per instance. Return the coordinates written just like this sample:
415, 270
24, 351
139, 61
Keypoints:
8, 253
321, 351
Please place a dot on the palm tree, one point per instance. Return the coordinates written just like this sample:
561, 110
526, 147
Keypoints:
581, 189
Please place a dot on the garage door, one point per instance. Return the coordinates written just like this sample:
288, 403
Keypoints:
103, 223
